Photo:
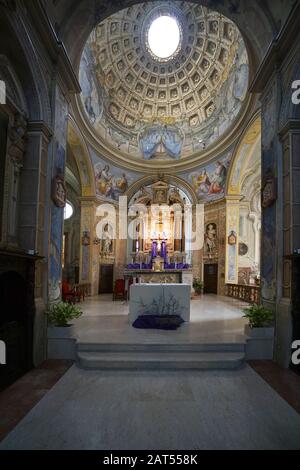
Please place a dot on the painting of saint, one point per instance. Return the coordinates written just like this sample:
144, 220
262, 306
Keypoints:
210, 182
202, 183
109, 185
219, 179
104, 181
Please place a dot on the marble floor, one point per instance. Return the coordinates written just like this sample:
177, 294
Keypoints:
175, 410
213, 319
96, 410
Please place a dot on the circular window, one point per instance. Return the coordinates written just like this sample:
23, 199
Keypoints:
69, 211
164, 37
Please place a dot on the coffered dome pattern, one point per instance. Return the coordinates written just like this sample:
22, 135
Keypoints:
198, 91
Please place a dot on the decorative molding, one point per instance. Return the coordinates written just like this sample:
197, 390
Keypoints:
289, 126
269, 191
59, 192
40, 127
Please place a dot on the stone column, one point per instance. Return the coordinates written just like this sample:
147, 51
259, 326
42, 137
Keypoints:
120, 252
33, 223
89, 253
58, 194
16, 146
197, 254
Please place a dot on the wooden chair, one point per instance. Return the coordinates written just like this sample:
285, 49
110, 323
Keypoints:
119, 290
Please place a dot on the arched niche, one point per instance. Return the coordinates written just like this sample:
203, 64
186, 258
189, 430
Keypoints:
243, 154
243, 211
26, 72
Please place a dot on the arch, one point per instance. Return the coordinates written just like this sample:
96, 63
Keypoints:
171, 179
14, 90
245, 150
19, 51
82, 157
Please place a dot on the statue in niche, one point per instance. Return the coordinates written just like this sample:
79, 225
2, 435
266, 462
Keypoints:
107, 243
211, 239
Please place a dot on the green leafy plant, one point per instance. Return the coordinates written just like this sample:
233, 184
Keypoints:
258, 316
62, 313
198, 285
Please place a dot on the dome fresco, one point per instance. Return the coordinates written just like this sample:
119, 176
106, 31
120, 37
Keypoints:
159, 108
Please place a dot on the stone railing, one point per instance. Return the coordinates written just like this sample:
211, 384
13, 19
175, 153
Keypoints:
250, 294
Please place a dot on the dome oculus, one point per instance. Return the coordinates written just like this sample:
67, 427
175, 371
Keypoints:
164, 37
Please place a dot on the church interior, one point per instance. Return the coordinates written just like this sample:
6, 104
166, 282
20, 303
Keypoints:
149, 156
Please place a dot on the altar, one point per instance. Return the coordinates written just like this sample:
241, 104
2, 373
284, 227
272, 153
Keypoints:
168, 276
160, 299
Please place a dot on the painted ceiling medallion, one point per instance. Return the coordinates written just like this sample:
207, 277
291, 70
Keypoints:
129, 92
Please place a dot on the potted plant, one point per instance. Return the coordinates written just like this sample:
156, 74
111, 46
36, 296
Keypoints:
61, 337
260, 332
198, 286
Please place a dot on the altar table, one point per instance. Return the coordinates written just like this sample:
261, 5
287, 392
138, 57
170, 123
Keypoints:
160, 299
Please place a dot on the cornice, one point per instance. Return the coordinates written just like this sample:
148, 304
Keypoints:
40, 127
291, 125
234, 198
88, 200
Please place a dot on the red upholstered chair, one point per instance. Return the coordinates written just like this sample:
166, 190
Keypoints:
71, 294
68, 295
119, 290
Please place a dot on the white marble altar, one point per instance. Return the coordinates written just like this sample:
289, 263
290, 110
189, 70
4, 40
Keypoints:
160, 299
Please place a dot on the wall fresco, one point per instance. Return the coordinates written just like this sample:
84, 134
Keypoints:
209, 182
111, 182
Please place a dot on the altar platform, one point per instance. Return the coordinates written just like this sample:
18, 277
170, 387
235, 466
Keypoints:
214, 338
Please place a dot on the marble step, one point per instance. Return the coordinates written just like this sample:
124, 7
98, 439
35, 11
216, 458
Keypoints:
161, 347
160, 361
